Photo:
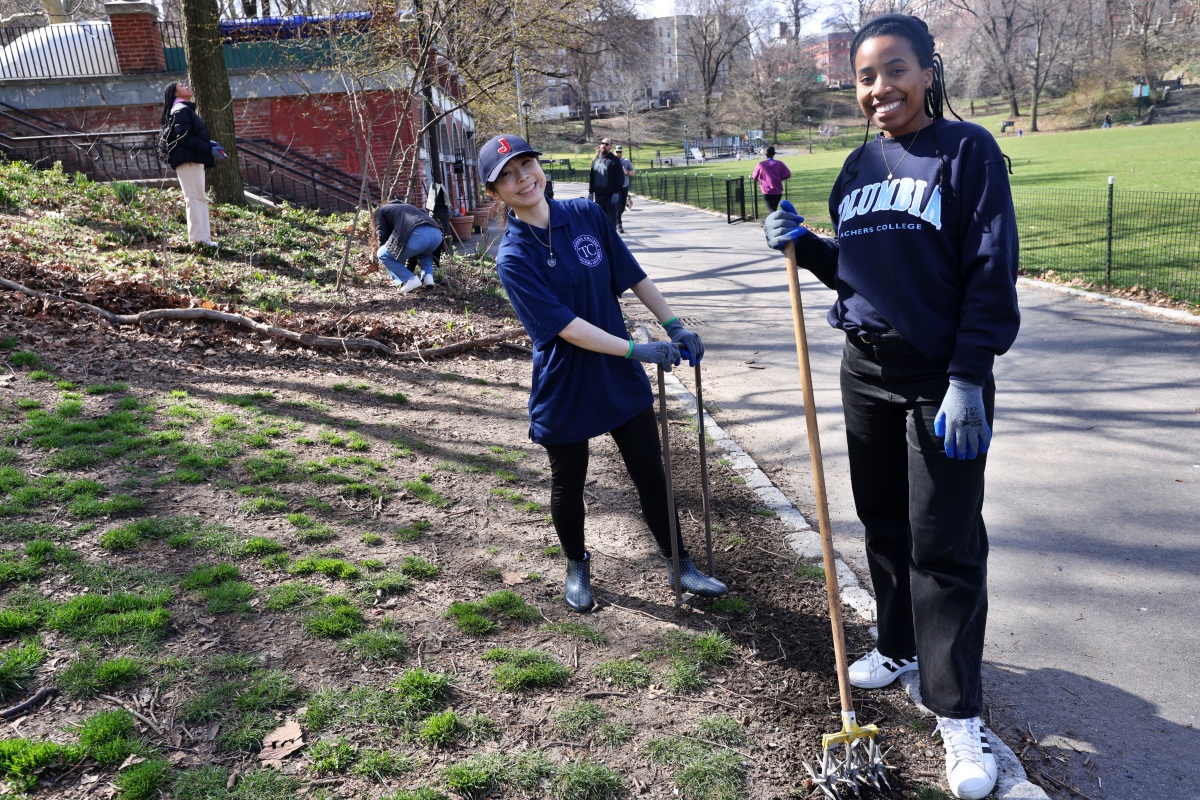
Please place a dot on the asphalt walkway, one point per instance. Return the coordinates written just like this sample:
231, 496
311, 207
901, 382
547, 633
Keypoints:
1093, 493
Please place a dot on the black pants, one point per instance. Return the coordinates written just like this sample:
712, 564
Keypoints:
609, 203
640, 449
772, 201
925, 538
621, 203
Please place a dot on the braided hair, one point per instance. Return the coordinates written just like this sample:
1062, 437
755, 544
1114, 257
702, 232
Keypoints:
168, 102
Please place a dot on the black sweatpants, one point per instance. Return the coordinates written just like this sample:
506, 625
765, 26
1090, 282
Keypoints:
925, 538
608, 202
772, 201
639, 444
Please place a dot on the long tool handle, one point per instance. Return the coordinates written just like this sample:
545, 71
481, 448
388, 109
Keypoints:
666, 451
818, 470
704, 472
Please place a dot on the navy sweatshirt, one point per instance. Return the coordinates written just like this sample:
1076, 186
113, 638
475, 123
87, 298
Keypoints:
933, 256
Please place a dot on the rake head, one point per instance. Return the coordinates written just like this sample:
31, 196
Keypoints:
851, 760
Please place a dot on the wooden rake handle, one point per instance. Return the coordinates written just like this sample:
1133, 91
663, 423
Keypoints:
818, 474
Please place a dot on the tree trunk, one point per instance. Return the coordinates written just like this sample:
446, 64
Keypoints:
214, 102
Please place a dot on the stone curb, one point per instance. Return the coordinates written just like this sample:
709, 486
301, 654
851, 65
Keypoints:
1172, 314
1012, 783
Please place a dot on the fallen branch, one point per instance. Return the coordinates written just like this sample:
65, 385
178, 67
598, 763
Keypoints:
461, 347
149, 723
38, 696
304, 339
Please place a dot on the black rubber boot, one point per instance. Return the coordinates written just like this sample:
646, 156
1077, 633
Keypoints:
693, 580
579, 584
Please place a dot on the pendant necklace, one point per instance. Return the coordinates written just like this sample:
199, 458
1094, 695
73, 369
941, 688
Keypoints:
551, 262
883, 150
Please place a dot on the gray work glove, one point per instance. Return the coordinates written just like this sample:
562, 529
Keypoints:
690, 346
664, 354
962, 421
591, 197
783, 225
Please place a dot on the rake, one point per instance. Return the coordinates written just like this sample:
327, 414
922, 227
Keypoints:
850, 758
682, 597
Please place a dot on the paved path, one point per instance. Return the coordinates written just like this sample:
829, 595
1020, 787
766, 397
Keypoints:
1093, 505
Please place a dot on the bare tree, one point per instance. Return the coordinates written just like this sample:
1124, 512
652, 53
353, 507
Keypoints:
780, 85
205, 53
797, 12
716, 42
1053, 32
850, 15
631, 63
1003, 24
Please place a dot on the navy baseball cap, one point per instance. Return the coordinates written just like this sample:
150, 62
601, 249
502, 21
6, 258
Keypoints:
498, 151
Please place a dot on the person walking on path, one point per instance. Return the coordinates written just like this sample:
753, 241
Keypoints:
190, 152
924, 264
563, 267
770, 175
406, 232
605, 180
623, 203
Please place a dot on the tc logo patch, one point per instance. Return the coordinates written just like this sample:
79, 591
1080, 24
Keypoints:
587, 248
504, 147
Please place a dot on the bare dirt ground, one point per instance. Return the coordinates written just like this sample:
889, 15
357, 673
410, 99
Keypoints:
463, 421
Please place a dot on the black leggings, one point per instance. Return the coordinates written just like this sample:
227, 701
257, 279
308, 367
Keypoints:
639, 444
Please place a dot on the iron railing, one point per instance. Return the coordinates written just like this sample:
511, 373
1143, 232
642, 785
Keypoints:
1109, 239
42, 51
251, 45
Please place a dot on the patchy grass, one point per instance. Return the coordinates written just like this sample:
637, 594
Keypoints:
623, 674
577, 719
698, 769
525, 669
333, 617
326, 565
476, 619
90, 675
290, 595
412, 532
439, 730
382, 765
17, 665
377, 647
418, 568
243, 704
806, 571
587, 780
425, 493
577, 630
734, 606
332, 758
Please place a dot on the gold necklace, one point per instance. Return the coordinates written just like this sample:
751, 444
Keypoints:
883, 150
551, 262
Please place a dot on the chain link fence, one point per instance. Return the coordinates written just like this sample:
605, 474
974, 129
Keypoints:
1113, 239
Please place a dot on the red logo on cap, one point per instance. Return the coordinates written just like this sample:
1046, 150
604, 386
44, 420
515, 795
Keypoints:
503, 148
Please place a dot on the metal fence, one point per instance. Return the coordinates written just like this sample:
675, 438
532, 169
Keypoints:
1112, 239
81, 50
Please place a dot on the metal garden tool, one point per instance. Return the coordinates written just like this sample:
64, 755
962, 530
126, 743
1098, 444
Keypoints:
851, 757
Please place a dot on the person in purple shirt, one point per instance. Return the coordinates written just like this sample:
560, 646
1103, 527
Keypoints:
563, 266
770, 175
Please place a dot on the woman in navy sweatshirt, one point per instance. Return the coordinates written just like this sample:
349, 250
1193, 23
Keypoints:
925, 265
563, 266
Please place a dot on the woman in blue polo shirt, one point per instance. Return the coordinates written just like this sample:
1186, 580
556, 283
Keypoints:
563, 266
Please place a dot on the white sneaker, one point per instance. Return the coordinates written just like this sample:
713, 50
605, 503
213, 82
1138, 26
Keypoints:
970, 765
427, 280
875, 669
409, 285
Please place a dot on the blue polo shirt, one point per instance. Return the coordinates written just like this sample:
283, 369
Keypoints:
577, 393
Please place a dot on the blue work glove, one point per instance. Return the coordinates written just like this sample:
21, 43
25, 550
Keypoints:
962, 421
218, 151
664, 354
690, 346
783, 226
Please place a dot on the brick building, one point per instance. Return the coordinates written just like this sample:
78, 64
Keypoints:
303, 114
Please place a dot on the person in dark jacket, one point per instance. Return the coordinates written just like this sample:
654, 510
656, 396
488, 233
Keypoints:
406, 232
924, 263
190, 153
606, 180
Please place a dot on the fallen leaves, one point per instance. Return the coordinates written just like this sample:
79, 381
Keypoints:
282, 742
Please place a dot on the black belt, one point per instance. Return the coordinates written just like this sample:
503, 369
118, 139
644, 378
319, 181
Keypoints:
890, 338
